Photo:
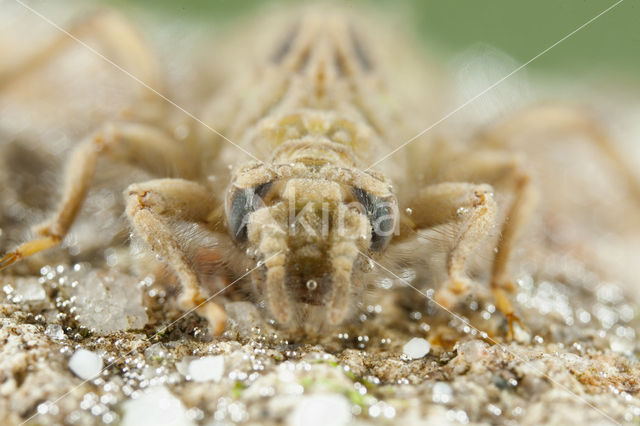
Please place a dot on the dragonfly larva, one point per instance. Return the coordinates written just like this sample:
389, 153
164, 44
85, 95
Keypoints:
313, 201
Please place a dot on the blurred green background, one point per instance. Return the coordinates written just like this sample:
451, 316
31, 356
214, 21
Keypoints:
520, 28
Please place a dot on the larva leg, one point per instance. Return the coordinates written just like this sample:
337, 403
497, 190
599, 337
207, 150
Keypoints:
117, 40
149, 206
469, 205
139, 144
560, 119
502, 170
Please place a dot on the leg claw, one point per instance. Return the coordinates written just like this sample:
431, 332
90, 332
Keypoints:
512, 319
215, 315
8, 259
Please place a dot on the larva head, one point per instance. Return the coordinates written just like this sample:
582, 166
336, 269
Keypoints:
309, 235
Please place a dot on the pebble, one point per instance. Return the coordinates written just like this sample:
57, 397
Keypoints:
321, 410
473, 351
157, 406
55, 332
156, 352
205, 369
244, 315
29, 290
622, 345
109, 301
416, 348
85, 364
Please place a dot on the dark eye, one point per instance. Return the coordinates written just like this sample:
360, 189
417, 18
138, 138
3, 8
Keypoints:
241, 202
381, 214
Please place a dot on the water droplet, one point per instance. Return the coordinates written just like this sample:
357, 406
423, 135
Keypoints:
312, 285
495, 410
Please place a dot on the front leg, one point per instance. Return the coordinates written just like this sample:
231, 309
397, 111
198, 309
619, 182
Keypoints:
150, 207
474, 209
507, 172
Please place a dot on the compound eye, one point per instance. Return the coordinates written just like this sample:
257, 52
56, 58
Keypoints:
382, 217
241, 202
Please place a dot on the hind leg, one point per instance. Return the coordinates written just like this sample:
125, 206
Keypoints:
560, 119
116, 39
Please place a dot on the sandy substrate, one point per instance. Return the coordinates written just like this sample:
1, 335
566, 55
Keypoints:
575, 364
